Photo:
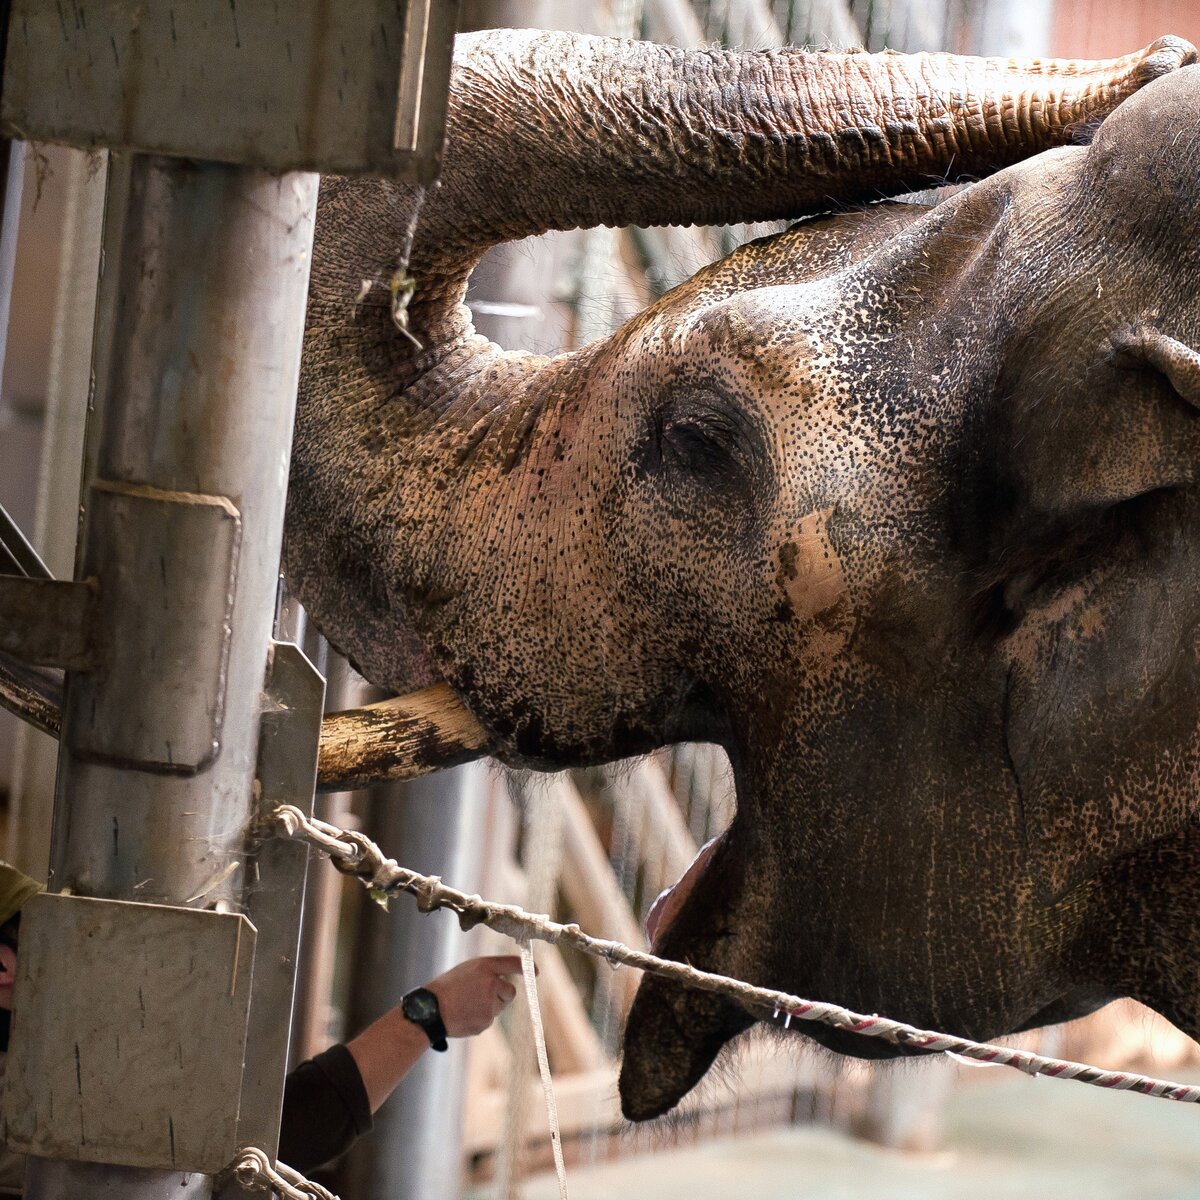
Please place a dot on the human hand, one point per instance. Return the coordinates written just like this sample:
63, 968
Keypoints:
473, 994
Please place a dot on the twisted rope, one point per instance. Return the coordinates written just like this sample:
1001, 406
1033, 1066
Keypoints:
355, 854
529, 976
254, 1171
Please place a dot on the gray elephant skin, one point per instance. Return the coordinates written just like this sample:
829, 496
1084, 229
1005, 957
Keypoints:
897, 506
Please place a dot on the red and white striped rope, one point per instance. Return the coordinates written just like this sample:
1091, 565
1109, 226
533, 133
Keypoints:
356, 854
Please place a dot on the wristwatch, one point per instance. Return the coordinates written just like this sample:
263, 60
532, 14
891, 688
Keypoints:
420, 1006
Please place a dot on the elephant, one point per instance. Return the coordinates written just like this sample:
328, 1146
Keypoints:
896, 506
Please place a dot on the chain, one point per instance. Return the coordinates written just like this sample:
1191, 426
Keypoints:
355, 854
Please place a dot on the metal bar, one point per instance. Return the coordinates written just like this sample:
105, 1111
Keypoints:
197, 356
287, 763
312, 1027
9, 563
18, 547
47, 622
56, 525
412, 1153
12, 180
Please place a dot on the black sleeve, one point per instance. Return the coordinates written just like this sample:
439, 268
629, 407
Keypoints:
325, 1109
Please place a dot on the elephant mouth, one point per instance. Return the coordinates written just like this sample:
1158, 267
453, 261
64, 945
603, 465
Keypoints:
674, 1034
666, 907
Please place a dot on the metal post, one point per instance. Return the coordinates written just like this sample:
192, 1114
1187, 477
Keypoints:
437, 821
197, 356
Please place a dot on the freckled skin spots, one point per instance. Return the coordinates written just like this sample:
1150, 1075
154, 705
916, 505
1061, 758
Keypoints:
894, 506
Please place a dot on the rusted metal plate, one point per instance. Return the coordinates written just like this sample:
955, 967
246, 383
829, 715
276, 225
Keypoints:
129, 1033
151, 580
46, 622
345, 86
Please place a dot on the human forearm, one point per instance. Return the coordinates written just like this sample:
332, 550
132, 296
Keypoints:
470, 996
385, 1052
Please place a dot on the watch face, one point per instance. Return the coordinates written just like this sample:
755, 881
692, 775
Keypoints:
421, 1006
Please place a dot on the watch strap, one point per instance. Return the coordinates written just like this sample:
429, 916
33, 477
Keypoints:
420, 1006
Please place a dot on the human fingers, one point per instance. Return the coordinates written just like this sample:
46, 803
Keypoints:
501, 964
505, 990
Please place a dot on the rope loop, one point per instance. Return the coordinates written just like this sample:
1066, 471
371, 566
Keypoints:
359, 862
255, 1172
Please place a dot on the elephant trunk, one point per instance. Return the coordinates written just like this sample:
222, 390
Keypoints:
593, 131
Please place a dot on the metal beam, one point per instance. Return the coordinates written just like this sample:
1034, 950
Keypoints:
355, 87
413, 1151
17, 546
196, 363
12, 179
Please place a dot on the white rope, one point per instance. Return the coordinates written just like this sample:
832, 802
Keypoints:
253, 1170
543, 1060
359, 856
541, 853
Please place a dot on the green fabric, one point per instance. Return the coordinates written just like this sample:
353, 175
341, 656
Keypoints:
15, 889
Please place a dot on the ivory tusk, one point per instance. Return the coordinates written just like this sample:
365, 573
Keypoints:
392, 740
33, 695
398, 739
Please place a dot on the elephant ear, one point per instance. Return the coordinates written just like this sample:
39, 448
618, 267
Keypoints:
1102, 726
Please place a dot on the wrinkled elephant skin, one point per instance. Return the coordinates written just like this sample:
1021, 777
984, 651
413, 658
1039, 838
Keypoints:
897, 506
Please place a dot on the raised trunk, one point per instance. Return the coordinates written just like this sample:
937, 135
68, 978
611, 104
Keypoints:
406, 510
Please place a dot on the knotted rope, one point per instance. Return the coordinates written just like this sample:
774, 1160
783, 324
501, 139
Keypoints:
355, 854
254, 1171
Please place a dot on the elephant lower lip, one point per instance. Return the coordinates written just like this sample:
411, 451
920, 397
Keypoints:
853, 1045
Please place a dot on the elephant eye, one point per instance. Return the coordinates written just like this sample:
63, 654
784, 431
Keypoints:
703, 446
700, 435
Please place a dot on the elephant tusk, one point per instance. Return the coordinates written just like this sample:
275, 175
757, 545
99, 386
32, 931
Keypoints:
392, 740
33, 695
398, 739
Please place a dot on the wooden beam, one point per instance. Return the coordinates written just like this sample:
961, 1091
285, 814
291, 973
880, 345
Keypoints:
591, 888
570, 1039
667, 844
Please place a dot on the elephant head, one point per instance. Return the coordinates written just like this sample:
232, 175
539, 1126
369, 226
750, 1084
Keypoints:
896, 506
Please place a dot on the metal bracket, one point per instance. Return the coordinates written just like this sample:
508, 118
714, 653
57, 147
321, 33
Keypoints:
151, 576
129, 1032
276, 871
352, 87
48, 622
